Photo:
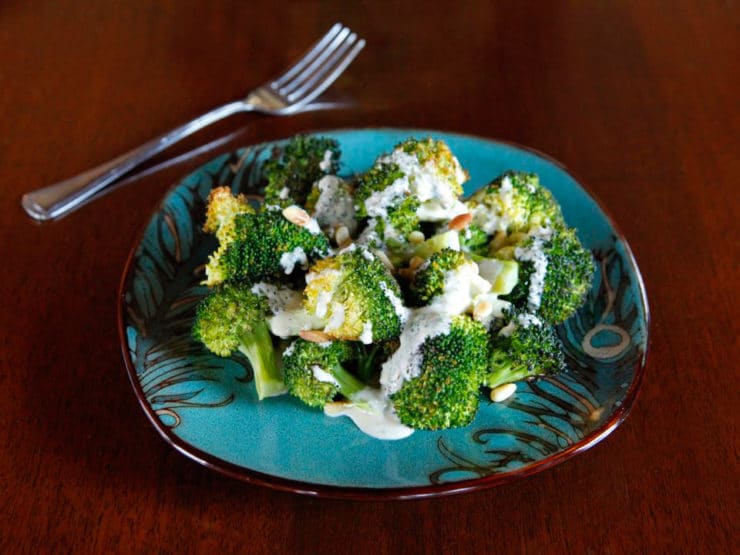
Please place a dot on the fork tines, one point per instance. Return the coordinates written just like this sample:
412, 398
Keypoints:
320, 66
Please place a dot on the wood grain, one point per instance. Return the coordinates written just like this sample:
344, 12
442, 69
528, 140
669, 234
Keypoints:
638, 98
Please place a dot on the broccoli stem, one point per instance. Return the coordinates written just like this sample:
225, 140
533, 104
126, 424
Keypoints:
348, 384
258, 349
501, 375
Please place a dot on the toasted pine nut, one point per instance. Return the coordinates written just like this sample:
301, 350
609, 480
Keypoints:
482, 309
503, 392
296, 215
314, 336
415, 262
406, 273
416, 237
460, 222
384, 259
341, 235
499, 240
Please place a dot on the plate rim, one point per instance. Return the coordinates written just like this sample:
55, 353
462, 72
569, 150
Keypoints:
258, 478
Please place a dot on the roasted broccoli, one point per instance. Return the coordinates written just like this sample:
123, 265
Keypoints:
514, 202
425, 171
355, 295
420, 300
263, 246
221, 209
523, 349
315, 373
555, 273
474, 241
431, 277
444, 394
232, 318
304, 160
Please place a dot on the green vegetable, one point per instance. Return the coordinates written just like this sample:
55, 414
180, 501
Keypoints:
232, 318
252, 246
429, 280
567, 279
438, 155
445, 394
221, 210
474, 241
517, 202
291, 176
352, 291
314, 373
531, 349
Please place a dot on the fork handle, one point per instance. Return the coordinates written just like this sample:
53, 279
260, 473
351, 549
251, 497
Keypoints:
59, 199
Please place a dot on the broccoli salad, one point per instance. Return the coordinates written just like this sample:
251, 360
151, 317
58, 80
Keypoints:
387, 296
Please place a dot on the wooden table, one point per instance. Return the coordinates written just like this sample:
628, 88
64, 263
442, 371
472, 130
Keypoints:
639, 98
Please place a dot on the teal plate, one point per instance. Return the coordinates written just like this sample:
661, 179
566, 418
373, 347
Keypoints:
207, 408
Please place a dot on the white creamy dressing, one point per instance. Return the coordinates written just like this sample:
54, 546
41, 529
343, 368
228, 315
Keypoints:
402, 312
335, 205
533, 253
436, 193
323, 376
526, 320
336, 317
405, 363
284, 193
378, 202
372, 412
366, 336
325, 164
322, 303
278, 298
288, 260
313, 226
461, 287
434, 211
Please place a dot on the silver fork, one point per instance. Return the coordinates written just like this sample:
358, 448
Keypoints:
290, 93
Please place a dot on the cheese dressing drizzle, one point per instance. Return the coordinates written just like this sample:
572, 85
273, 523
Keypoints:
372, 412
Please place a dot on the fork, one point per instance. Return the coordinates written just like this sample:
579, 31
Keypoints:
290, 93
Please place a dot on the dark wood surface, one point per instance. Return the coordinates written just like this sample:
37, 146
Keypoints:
640, 99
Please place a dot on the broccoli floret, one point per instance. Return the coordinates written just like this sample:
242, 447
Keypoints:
375, 180
402, 219
514, 201
315, 373
304, 160
263, 246
393, 209
555, 273
232, 318
429, 280
445, 393
437, 154
354, 293
425, 171
474, 241
221, 209
523, 349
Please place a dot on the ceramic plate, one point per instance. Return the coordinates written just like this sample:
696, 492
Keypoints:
206, 407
